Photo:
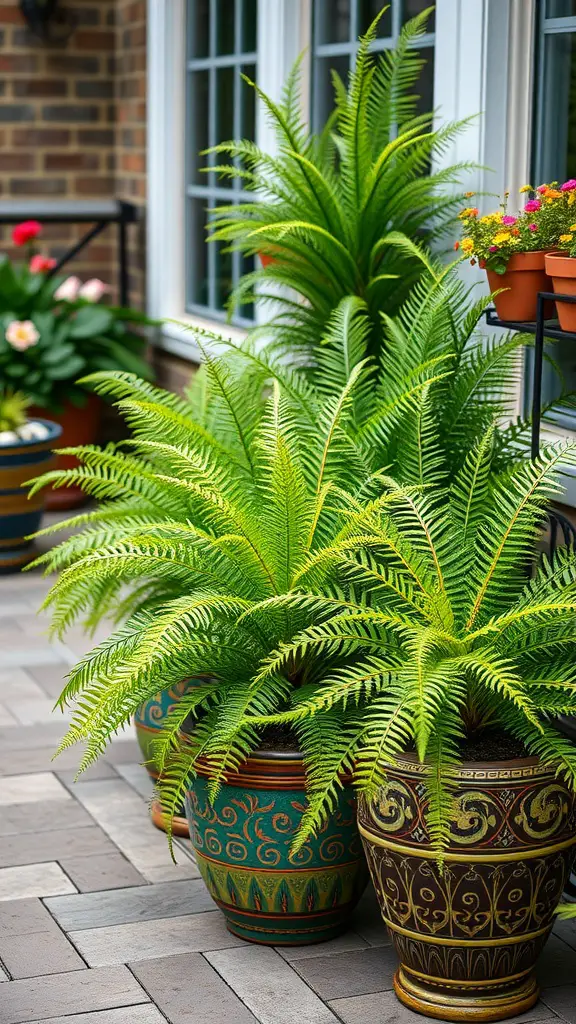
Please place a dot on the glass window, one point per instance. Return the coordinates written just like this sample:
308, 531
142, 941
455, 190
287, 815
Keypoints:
336, 27
221, 47
554, 150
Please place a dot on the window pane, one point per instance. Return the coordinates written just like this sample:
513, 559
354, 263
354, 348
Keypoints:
197, 253
410, 8
560, 8
367, 11
224, 104
197, 139
223, 280
424, 87
556, 145
323, 88
332, 21
225, 21
248, 102
199, 32
249, 8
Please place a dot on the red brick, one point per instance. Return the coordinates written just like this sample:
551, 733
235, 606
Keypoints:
135, 162
38, 186
18, 63
96, 136
42, 87
10, 14
94, 186
65, 64
40, 137
71, 161
93, 40
17, 162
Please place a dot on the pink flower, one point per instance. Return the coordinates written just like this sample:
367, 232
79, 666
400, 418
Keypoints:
532, 227
568, 185
542, 189
25, 232
493, 248
93, 290
68, 290
40, 264
507, 220
532, 205
21, 334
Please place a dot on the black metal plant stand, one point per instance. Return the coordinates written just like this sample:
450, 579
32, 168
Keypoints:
558, 522
99, 213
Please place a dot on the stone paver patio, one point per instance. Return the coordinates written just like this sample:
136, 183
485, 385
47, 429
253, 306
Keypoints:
98, 926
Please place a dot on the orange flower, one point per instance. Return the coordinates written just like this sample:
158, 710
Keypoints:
456, 246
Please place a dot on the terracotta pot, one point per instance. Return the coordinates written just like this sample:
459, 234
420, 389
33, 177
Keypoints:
79, 426
524, 277
468, 936
148, 721
242, 844
19, 515
266, 260
562, 270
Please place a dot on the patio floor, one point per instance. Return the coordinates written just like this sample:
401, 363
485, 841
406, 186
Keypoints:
97, 926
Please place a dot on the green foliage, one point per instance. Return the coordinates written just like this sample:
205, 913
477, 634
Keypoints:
326, 205
71, 338
13, 407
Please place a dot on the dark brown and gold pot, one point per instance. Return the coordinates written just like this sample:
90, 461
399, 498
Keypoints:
242, 843
468, 935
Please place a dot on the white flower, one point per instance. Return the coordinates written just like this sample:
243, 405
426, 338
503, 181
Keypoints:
93, 290
68, 290
21, 334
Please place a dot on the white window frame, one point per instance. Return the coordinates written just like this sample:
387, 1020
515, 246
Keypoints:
282, 35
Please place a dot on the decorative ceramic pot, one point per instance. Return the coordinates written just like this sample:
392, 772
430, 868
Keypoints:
468, 936
242, 845
20, 516
524, 277
78, 426
562, 270
148, 722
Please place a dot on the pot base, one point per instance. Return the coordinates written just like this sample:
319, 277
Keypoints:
285, 929
179, 823
12, 559
488, 1001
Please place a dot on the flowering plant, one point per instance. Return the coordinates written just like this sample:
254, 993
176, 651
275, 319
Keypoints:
53, 329
492, 239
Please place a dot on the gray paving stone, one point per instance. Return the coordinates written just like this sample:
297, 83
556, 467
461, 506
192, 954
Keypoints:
350, 974
144, 1013
171, 872
37, 651
367, 920
40, 759
137, 777
269, 987
98, 770
6, 719
124, 906
29, 737
566, 930
385, 1008
31, 943
562, 1001
123, 751
343, 944
22, 819
9, 608
60, 995
21, 789
101, 871
51, 678
58, 845
142, 940
18, 684
34, 880
189, 991
36, 710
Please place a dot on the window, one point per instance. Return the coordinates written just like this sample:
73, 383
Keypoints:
336, 27
221, 41
554, 150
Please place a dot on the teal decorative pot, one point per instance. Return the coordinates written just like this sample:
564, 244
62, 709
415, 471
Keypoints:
148, 721
20, 517
242, 845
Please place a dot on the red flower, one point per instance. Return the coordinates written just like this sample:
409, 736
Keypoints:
40, 264
456, 246
27, 231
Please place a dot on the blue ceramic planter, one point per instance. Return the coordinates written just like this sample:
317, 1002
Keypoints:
20, 516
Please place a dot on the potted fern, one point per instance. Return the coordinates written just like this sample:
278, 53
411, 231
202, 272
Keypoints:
457, 662
327, 203
25, 450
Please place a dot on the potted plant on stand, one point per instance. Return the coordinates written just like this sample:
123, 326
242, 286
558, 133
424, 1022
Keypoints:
561, 267
512, 248
460, 664
54, 329
25, 451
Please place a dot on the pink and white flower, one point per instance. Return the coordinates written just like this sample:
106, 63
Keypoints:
41, 264
93, 290
22, 334
68, 290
